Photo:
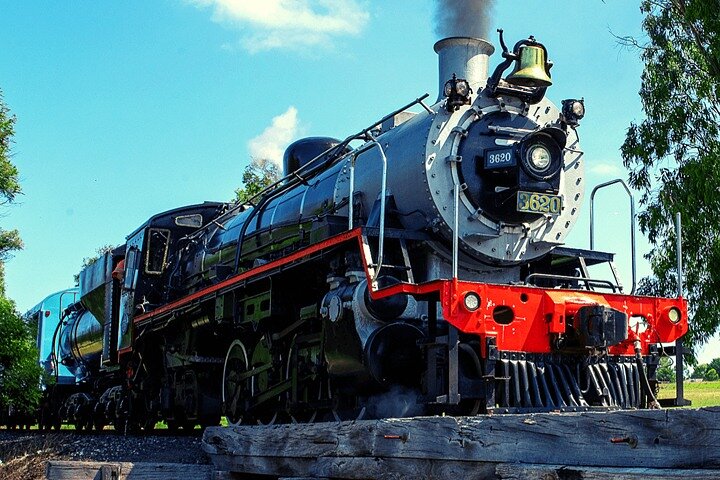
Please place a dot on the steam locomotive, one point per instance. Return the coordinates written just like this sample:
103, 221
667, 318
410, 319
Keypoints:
418, 264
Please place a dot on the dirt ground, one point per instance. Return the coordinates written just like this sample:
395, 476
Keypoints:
23, 454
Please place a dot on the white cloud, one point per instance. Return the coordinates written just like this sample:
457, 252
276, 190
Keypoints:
291, 24
271, 143
606, 168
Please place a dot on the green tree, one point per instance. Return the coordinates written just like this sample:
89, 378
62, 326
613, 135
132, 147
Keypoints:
260, 174
673, 155
20, 372
700, 371
711, 375
666, 370
9, 183
715, 364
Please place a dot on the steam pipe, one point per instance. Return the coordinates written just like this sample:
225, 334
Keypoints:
653, 404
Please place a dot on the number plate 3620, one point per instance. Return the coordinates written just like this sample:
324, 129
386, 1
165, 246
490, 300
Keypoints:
539, 203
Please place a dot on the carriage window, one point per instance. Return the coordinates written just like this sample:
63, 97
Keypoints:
189, 220
157, 247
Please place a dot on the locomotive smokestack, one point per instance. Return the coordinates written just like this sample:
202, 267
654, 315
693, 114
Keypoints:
467, 58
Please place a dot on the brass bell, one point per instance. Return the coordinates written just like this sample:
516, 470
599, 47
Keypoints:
530, 68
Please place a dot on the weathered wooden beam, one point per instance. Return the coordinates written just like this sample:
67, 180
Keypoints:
561, 472
358, 468
398, 469
471, 447
71, 470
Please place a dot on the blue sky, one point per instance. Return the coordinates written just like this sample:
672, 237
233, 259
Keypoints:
126, 109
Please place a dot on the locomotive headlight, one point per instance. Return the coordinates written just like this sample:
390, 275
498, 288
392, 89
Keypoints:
472, 301
578, 109
539, 158
573, 111
541, 153
457, 91
675, 315
463, 88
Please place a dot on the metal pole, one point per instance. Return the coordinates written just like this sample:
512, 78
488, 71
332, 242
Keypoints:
678, 251
456, 223
679, 359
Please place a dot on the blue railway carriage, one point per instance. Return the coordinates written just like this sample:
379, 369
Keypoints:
57, 382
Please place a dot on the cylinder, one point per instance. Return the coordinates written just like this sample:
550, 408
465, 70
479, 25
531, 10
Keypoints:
465, 57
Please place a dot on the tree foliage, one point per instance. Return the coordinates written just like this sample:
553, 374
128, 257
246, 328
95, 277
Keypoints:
260, 174
666, 370
20, 372
715, 364
674, 154
705, 372
9, 182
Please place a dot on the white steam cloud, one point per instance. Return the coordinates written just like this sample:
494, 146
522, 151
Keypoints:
289, 24
463, 18
271, 143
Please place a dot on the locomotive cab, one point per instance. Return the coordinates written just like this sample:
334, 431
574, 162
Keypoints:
152, 253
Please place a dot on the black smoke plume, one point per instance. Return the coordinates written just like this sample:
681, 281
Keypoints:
463, 18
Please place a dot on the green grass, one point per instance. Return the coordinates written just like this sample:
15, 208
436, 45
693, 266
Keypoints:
702, 394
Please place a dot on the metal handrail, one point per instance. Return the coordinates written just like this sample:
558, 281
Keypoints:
632, 224
351, 195
591, 281
372, 141
367, 134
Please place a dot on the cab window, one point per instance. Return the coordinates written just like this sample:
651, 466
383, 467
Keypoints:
157, 248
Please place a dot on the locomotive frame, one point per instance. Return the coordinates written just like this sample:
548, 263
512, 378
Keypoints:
397, 277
